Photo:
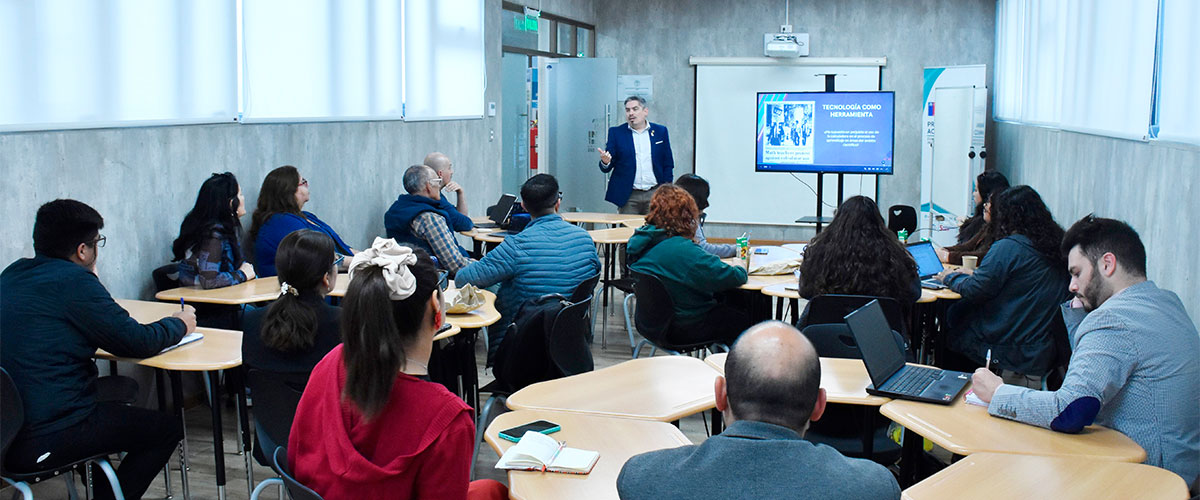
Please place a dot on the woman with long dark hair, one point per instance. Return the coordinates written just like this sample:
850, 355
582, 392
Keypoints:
857, 255
1010, 302
987, 183
207, 248
977, 246
280, 211
293, 333
370, 423
664, 247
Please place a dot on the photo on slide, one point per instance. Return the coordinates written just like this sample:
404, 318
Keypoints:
789, 134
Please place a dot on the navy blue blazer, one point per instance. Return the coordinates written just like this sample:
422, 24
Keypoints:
624, 160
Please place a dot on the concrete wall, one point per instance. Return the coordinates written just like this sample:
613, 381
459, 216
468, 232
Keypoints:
1152, 186
657, 37
144, 180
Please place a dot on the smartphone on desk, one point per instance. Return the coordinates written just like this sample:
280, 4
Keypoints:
543, 426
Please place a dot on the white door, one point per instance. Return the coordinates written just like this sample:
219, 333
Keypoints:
578, 107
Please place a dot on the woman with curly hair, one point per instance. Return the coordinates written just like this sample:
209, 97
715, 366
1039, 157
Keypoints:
1010, 303
857, 255
664, 248
977, 246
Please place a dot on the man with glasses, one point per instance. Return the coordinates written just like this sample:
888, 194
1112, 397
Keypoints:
54, 314
418, 219
549, 256
456, 215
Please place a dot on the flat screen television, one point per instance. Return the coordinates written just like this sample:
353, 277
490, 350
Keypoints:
835, 132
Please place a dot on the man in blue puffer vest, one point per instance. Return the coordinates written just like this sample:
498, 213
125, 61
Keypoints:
549, 256
419, 219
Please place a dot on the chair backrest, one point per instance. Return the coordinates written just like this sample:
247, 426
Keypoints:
295, 489
523, 357
276, 396
166, 277
655, 310
833, 308
834, 340
585, 289
566, 342
902, 217
12, 414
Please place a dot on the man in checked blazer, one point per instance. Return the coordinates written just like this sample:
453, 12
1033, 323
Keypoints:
638, 154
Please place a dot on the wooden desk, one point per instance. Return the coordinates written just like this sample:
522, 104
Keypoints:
845, 380
611, 236
617, 439
485, 315
965, 429
998, 476
597, 217
495, 236
218, 350
634, 223
662, 388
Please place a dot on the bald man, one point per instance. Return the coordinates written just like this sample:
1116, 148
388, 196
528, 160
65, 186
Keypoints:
767, 397
456, 215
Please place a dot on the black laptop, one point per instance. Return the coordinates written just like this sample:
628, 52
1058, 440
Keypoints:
500, 212
890, 375
928, 264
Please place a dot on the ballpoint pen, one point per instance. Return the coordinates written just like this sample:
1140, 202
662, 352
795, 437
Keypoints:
988, 364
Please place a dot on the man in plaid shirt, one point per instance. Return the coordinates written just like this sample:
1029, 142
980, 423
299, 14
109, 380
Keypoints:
418, 219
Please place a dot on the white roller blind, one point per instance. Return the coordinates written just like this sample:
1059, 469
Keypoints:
1179, 74
443, 59
1084, 65
84, 64
321, 60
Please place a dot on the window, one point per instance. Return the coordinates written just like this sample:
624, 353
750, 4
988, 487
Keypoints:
1178, 100
443, 59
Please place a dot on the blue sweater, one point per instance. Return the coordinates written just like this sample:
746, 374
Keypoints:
281, 225
1009, 306
54, 315
398, 219
549, 256
455, 219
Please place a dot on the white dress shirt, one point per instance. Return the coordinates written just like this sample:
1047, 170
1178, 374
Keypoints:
644, 178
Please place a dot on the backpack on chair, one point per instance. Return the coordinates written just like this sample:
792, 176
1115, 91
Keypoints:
522, 358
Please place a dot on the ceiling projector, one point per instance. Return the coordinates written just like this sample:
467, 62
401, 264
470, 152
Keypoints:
785, 44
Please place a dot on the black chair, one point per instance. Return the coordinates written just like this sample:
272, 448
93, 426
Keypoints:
833, 308
276, 396
296, 490
12, 418
585, 290
654, 317
843, 426
568, 352
165, 277
902, 217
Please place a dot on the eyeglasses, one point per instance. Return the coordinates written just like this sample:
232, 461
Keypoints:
338, 261
303, 182
436, 180
99, 241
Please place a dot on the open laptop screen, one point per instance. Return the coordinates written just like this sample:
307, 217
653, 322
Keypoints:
928, 263
879, 350
503, 209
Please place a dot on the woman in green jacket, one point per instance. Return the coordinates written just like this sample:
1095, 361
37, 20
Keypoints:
664, 248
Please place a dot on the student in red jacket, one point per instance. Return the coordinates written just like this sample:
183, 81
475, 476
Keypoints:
370, 423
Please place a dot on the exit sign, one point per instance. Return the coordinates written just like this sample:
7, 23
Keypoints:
526, 23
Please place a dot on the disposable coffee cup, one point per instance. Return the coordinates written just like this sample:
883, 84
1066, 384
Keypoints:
970, 261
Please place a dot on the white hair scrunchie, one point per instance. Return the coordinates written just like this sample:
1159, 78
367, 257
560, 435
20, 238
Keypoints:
285, 288
394, 259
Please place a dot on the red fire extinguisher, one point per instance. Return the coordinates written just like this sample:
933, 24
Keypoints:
533, 160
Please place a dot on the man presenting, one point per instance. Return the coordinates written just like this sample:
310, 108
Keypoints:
769, 394
638, 154
456, 215
1135, 360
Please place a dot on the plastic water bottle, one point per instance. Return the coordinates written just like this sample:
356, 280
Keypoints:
903, 235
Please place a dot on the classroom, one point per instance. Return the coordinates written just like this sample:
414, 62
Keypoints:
1030, 156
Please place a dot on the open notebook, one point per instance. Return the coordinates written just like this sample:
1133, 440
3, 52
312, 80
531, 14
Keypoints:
187, 339
537, 451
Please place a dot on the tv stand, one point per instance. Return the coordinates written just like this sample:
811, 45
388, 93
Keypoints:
820, 220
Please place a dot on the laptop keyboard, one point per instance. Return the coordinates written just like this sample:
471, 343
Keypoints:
914, 380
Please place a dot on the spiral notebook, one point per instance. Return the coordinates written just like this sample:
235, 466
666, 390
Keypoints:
537, 451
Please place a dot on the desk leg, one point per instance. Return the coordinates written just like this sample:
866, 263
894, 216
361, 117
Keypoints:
868, 438
795, 305
214, 379
910, 454
718, 425
177, 401
238, 383
161, 390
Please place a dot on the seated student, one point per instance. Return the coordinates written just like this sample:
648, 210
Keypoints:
54, 315
280, 211
549, 256
370, 423
418, 219
293, 333
208, 247
698, 188
1010, 302
1135, 360
857, 255
456, 215
977, 246
664, 248
987, 184
768, 396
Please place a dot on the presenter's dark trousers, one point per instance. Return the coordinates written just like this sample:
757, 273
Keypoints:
639, 202
148, 437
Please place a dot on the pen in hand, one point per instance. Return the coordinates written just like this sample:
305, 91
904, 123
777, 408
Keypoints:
988, 363
182, 308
